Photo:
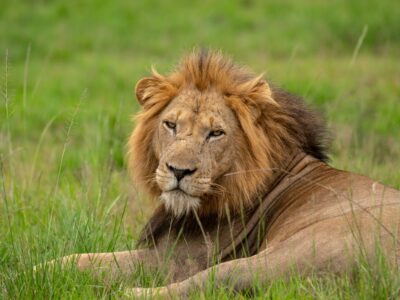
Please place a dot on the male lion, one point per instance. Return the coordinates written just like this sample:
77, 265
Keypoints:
239, 168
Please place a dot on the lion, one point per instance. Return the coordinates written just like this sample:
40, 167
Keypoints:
240, 170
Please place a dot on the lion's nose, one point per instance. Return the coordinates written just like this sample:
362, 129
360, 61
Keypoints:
180, 173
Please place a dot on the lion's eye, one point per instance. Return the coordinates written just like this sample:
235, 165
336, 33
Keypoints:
215, 133
170, 125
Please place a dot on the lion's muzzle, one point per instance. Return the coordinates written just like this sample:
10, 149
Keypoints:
181, 187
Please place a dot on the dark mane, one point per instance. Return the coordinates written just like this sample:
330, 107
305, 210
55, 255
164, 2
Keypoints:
314, 135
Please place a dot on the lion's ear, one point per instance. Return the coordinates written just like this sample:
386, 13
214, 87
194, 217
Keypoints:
146, 88
151, 90
260, 89
258, 96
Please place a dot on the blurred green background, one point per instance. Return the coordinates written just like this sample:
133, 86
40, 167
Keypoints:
68, 70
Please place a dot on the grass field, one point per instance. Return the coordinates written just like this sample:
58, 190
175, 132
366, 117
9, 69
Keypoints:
68, 70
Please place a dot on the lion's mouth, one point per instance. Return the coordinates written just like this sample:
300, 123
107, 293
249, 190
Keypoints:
177, 189
179, 202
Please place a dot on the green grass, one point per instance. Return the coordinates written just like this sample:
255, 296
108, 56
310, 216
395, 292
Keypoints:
68, 71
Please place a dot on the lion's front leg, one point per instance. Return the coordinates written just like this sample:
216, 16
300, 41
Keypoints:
308, 251
237, 273
111, 264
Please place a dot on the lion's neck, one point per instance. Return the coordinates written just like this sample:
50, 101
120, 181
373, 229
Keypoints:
293, 164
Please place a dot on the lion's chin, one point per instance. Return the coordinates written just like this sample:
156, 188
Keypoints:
179, 203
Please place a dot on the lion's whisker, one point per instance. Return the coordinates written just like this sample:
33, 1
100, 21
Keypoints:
251, 170
217, 188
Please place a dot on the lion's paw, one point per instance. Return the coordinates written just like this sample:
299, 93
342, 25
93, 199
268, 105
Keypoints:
146, 293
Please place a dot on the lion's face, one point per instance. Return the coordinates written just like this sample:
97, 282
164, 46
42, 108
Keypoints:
210, 133
194, 138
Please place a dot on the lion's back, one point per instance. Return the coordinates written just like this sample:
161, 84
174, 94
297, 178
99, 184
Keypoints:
342, 199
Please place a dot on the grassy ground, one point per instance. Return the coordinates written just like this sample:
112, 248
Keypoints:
68, 70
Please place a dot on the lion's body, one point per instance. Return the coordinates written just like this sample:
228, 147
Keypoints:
240, 169
309, 199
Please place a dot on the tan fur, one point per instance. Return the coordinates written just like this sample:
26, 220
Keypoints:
256, 201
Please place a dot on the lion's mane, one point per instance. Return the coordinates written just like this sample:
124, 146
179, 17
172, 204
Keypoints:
274, 124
